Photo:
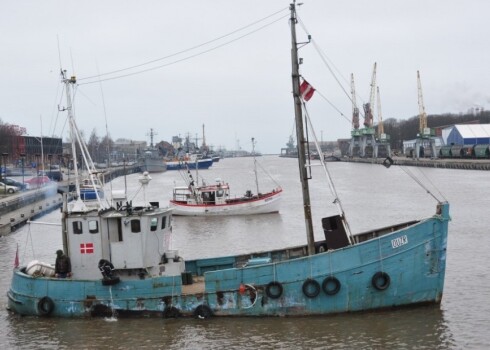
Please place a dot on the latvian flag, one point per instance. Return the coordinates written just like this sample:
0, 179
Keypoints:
86, 248
306, 90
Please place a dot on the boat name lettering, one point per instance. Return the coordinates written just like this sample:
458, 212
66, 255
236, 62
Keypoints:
399, 241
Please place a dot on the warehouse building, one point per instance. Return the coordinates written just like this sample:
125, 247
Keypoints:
466, 134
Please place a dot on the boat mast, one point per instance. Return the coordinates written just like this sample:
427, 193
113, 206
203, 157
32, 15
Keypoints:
68, 82
255, 165
301, 141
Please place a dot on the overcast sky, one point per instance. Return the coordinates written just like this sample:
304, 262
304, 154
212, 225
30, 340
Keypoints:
239, 86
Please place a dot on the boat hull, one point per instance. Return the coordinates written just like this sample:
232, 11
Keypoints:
200, 164
153, 165
413, 259
268, 203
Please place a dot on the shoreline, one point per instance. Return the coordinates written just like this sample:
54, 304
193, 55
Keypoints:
464, 164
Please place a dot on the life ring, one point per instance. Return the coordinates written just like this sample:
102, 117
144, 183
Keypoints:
45, 306
381, 280
311, 288
203, 311
273, 290
329, 281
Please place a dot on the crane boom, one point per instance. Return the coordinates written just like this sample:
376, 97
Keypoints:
355, 110
422, 114
368, 107
381, 129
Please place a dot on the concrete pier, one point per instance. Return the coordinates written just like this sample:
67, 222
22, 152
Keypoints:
466, 164
16, 209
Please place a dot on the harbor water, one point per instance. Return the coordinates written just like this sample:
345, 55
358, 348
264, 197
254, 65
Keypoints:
372, 196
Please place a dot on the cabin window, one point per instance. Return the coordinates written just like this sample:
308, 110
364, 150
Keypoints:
219, 193
164, 222
135, 226
77, 227
153, 224
93, 226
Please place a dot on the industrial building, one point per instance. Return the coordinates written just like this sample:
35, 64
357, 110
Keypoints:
466, 134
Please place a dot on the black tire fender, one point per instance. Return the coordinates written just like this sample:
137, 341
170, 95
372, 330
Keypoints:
331, 280
203, 311
273, 289
311, 288
172, 312
381, 280
45, 306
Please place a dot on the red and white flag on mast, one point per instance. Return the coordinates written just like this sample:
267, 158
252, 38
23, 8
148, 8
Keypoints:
16, 261
306, 90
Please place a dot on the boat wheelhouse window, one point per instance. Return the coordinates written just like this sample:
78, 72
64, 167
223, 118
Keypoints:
135, 226
153, 224
164, 222
219, 193
93, 226
77, 227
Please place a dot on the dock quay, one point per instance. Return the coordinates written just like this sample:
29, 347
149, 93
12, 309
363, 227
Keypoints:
17, 209
464, 164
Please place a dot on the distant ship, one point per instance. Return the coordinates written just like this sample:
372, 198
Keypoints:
151, 159
290, 151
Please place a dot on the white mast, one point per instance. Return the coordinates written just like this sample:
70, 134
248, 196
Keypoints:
255, 166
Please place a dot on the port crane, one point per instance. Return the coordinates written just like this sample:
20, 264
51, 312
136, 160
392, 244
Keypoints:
383, 139
381, 129
368, 141
426, 135
354, 147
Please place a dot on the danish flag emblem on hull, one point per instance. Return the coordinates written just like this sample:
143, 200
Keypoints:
86, 248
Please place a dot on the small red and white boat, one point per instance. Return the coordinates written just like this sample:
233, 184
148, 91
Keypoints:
216, 200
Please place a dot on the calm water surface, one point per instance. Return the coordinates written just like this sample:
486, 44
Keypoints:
372, 195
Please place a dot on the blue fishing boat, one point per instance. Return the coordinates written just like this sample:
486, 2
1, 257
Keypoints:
399, 265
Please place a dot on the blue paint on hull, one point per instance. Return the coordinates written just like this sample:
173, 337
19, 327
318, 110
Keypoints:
201, 164
90, 194
413, 257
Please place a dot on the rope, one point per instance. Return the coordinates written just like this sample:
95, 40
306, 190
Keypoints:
414, 178
428, 179
268, 174
28, 238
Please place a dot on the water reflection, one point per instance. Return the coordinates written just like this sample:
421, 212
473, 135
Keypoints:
419, 328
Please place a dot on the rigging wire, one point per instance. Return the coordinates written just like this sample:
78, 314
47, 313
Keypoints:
329, 66
187, 50
106, 130
331, 185
433, 185
417, 180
